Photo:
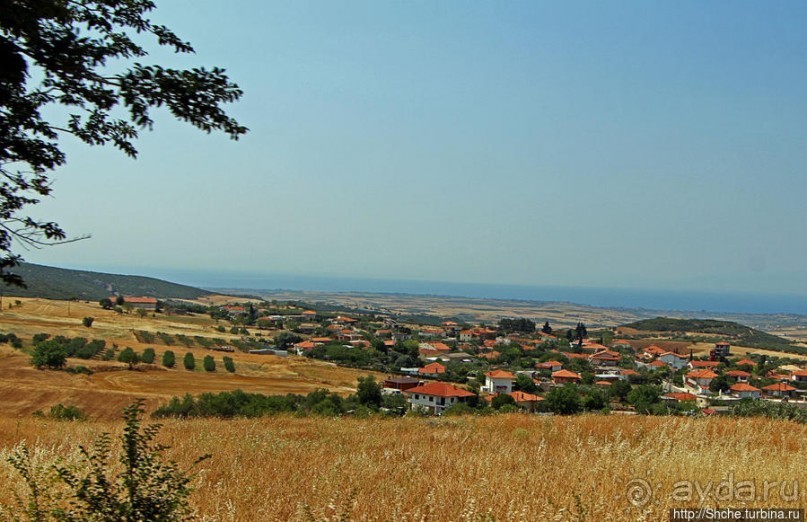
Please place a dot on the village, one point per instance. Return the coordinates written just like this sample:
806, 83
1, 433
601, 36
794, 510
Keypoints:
519, 366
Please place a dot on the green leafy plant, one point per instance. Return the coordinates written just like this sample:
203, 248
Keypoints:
189, 361
169, 359
149, 487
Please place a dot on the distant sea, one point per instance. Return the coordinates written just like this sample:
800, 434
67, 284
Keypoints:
716, 302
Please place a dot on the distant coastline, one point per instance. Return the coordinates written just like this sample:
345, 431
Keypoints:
715, 302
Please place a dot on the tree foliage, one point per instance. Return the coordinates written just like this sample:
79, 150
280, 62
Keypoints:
49, 354
189, 361
369, 392
128, 356
169, 359
517, 325
149, 487
82, 56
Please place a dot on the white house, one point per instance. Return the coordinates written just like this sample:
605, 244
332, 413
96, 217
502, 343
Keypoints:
673, 360
744, 390
436, 397
498, 381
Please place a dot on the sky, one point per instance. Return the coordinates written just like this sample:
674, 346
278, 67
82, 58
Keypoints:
605, 144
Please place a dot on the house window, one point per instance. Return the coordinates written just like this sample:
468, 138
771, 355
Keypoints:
431, 399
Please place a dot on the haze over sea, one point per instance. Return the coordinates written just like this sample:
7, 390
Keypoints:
723, 302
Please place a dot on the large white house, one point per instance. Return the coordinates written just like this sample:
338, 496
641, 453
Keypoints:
435, 397
498, 381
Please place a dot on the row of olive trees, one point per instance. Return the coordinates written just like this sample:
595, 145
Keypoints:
129, 356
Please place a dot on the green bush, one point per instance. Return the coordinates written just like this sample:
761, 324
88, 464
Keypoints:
169, 360
87, 321
66, 413
189, 361
148, 488
128, 356
79, 370
49, 354
12, 339
229, 365
209, 363
148, 355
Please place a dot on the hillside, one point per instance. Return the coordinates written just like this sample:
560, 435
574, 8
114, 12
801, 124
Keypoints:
60, 283
714, 330
102, 393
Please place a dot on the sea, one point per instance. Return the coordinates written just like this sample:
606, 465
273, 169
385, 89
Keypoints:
624, 298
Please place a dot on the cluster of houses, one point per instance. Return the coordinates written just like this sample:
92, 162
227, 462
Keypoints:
609, 366
440, 346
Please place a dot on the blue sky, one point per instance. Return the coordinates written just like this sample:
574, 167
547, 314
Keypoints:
615, 144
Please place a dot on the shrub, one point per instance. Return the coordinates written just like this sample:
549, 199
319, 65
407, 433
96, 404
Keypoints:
501, 400
79, 370
229, 365
128, 356
87, 321
564, 401
38, 338
148, 355
189, 361
49, 354
12, 339
169, 360
66, 413
209, 363
149, 487
369, 392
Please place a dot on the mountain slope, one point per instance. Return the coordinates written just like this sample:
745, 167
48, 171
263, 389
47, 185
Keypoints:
60, 283
722, 330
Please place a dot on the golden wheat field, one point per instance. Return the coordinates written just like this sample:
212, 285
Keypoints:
508, 467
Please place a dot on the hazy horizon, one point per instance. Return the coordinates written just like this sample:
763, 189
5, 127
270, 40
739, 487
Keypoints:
653, 145
660, 299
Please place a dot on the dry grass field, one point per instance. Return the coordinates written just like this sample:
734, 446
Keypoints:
508, 467
103, 394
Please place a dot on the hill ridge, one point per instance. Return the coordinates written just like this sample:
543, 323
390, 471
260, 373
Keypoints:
63, 283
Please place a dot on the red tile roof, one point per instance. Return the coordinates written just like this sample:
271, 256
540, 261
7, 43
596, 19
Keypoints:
744, 387
440, 389
565, 374
780, 387
500, 374
746, 362
607, 355
141, 300
548, 365
629, 372
681, 396
704, 364
432, 369
738, 373
520, 396
702, 374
